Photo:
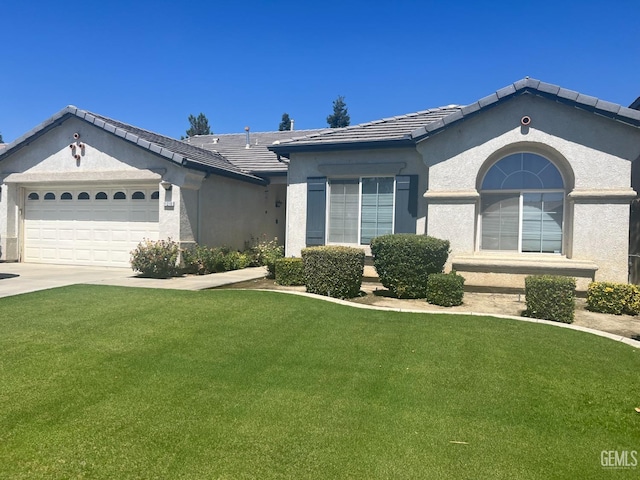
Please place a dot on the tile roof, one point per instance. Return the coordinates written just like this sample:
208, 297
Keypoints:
388, 131
411, 128
173, 150
257, 158
530, 86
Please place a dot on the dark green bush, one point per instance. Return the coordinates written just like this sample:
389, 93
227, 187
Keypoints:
445, 289
550, 297
333, 271
289, 271
614, 298
157, 259
404, 262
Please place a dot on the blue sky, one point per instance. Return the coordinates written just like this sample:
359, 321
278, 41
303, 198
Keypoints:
243, 63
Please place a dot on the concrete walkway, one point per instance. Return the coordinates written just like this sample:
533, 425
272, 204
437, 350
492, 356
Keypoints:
17, 278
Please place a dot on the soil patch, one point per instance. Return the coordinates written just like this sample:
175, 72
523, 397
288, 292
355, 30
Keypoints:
373, 293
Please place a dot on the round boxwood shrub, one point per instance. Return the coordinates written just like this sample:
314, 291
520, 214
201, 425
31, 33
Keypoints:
404, 262
445, 289
289, 271
333, 271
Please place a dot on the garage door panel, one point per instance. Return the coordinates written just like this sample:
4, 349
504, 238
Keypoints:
87, 232
48, 233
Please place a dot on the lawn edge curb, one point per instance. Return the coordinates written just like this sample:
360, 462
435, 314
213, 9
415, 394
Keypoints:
600, 333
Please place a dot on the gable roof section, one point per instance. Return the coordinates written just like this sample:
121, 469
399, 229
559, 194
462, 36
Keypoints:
388, 132
530, 86
257, 158
173, 150
415, 127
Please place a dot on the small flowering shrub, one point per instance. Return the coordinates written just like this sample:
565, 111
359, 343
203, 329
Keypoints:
264, 252
203, 260
550, 297
157, 259
445, 289
289, 271
614, 298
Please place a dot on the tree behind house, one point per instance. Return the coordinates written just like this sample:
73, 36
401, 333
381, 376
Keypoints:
285, 124
340, 117
199, 125
1, 141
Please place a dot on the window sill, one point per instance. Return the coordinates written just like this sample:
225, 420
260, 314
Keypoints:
524, 264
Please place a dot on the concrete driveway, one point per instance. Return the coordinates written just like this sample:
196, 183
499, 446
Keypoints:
17, 278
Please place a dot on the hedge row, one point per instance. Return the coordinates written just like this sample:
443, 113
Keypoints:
161, 258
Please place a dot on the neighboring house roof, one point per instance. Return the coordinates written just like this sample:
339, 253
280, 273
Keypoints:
173, 150
257, 158
636, 104
388, 132
412, 128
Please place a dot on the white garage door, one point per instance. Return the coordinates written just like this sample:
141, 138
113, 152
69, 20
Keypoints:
90, 226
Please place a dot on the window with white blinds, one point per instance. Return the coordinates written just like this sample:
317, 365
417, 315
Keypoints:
522, 205
360, 209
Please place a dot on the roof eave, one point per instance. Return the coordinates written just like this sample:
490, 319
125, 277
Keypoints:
285, 150
524, 87
49, 124
186, 162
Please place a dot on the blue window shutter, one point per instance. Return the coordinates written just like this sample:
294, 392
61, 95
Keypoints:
316, 210
406, 203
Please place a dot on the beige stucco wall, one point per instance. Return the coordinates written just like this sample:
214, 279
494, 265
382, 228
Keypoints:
593, 153
214, 211
232, 212
350, 164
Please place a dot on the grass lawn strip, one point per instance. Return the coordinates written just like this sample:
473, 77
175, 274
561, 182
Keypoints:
108, 382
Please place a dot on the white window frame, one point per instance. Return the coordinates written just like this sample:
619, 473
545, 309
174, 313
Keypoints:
521, 194
328, 208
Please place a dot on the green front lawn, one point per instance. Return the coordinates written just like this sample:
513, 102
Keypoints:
117, 383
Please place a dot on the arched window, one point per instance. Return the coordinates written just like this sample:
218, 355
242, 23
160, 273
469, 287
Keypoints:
155, 195
101, 196
83, 196
522, 205
33, 196
137, 196
49, 196
119, 196
66, 196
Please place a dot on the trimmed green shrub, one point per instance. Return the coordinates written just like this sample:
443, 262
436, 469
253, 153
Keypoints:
445, 289
404, 262
263, 252
289, 271
157, 259
333, 271
613, 298
550, 297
